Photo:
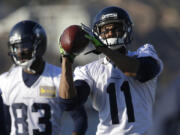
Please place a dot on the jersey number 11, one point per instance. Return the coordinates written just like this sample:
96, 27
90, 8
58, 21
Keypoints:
113, 102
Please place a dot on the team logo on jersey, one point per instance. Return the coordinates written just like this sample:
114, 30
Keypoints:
47, 91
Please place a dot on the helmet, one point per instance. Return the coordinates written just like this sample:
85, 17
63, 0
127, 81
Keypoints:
27, 41
118, 16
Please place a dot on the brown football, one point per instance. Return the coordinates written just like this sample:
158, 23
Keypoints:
73, 39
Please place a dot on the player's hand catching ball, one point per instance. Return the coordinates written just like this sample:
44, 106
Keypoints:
90, 36
72, 41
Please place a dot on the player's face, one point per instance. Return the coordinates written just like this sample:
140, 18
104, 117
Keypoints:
112, 30
23, 52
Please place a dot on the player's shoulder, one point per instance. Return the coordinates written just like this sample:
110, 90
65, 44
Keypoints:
52, 69
146, 50
92, 69
146, 47
3, 76
9, 77
13, 71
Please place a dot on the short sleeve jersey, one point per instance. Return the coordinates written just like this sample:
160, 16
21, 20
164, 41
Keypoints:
124, 103
34, 110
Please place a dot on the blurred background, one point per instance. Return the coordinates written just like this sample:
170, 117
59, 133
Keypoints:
156, 22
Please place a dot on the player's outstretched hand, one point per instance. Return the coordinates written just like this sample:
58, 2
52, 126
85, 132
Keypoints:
90, 36
94, 40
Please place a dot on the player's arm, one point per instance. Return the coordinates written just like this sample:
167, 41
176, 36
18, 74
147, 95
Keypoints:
128, 65
67, 89
80, 121
143, 69
72, 94
72, 42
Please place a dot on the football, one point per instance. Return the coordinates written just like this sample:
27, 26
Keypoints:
73, 39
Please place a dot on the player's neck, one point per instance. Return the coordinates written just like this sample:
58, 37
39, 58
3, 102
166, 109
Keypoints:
37, 66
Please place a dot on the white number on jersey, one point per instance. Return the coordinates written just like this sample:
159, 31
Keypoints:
23, 119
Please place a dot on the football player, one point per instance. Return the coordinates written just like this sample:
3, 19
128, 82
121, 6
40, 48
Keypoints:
122, 84
30, 88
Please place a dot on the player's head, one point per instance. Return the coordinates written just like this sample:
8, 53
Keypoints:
27, 42
113, 26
